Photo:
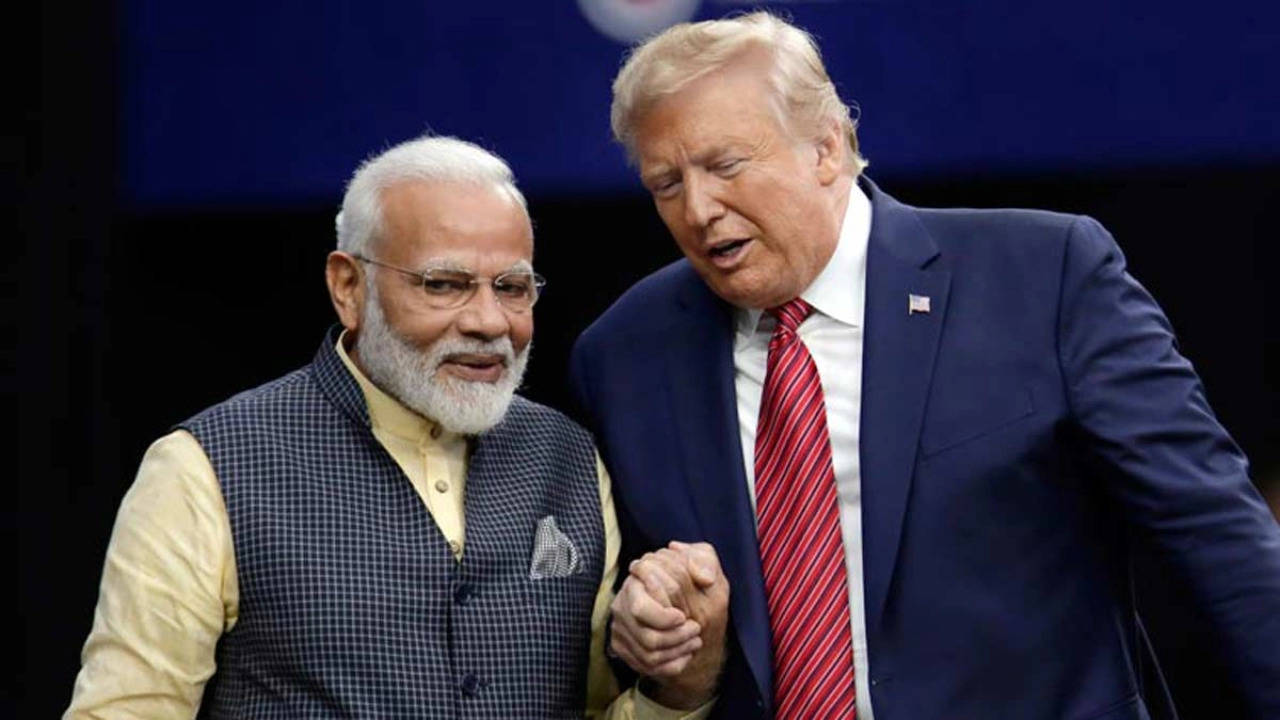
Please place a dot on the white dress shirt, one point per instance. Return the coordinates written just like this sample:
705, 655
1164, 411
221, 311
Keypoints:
833, 335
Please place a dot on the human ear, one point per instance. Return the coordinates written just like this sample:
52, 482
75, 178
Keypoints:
831, 153
346, 288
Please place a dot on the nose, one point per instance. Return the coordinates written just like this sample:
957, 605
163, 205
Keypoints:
701, 208
483, 316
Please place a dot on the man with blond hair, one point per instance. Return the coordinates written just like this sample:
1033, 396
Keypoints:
918, 441
388, 532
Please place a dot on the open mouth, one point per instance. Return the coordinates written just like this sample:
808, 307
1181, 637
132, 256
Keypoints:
727, 249
726, 254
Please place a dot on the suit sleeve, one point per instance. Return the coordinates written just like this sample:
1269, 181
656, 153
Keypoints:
581, 409
1183, 482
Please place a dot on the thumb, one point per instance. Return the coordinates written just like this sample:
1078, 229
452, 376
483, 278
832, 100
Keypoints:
702, 575
704, 566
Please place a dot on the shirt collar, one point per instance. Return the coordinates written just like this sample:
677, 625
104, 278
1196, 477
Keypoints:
387, 413
839, 291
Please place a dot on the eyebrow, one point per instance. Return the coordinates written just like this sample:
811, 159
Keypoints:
661, 173
712, 154
441, 263
704, 157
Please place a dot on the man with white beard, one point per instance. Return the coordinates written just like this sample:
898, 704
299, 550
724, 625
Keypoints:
299, 548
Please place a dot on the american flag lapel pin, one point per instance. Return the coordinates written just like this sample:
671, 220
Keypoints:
917, 304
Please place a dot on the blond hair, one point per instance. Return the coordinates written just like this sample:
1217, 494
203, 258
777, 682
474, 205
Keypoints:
805, 98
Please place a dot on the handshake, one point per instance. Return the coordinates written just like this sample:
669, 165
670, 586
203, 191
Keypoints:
669, 622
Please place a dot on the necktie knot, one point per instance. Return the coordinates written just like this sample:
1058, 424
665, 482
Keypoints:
791, 313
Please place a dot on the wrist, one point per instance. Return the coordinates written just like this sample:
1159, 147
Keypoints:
677, 694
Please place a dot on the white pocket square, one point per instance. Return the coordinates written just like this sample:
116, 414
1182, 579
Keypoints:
554, 554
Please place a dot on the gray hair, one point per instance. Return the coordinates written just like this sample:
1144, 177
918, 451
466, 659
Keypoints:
805, 98
428, 158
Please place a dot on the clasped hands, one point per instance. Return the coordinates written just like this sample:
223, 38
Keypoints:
669, 622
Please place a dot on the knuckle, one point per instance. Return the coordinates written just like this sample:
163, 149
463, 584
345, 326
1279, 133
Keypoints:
620, 632
647, 639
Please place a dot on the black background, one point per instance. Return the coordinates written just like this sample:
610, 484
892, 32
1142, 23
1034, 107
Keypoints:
122, 322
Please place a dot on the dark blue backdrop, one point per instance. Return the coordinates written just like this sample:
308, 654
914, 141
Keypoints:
262, 103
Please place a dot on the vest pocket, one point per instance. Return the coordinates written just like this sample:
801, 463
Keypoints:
561, 597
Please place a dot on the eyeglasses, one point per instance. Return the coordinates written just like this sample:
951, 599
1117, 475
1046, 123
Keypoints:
447, 289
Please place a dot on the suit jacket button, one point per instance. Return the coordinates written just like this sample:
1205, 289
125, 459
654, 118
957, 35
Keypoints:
470, 685
463, 593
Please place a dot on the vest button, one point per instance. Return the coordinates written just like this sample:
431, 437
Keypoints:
470, 685
463, 593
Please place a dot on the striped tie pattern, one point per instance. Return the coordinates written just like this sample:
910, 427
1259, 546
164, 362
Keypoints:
799, 529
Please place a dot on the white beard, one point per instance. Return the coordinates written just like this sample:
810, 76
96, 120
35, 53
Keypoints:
411, 375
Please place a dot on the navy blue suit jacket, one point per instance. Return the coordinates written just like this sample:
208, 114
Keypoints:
1013, 439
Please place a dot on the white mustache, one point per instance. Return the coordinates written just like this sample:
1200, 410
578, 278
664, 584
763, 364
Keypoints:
446, 349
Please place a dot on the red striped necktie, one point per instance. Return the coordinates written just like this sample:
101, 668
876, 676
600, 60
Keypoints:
799, 529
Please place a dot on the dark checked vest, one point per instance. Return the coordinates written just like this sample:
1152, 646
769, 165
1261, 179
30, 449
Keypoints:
351, 604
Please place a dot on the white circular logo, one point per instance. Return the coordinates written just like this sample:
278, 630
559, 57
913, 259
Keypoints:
628, 21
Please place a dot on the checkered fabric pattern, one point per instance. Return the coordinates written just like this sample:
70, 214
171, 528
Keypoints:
351, 604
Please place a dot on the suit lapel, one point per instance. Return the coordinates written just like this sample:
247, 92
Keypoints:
704, 405
898, 358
